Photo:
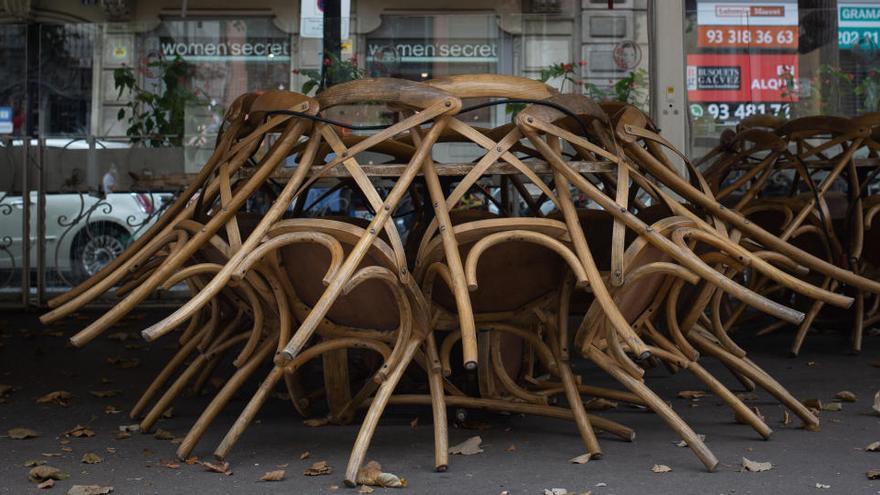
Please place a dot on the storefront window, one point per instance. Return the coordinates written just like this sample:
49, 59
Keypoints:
787, 57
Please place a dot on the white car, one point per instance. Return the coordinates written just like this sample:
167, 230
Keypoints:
84, 232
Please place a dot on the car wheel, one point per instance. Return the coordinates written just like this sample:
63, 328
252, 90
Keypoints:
95, 247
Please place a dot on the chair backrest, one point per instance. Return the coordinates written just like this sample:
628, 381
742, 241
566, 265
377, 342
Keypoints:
370, 305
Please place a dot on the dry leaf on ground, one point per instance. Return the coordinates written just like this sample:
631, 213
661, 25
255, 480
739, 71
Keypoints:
91, 458
22, 433
218, 467
60, 397
305, 455
845, 396
49, 483
877, 403
786, 418
873, 474
470, 446
121, 435
89, 490
661, 468
832, 406
510, 448
581, 459
163, 434
371, 475
79, 431
316, 422
365, 489
691, 394
873, 447
599, 404
273, 475
319, 468
555, 491
683, 443
169, 463
414, 423
34, 462
45, 472
105, 394
755, 467
822, 486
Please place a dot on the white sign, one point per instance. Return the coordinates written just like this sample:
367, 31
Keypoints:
747, 13
311, 18
5, 120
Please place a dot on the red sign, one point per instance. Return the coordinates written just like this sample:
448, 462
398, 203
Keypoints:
747, 37
741, 78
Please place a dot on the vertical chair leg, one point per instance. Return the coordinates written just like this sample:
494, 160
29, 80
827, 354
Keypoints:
247, 415
859, 322
438, 406
162, 377
173, 391
808, 320
658, 406
377, 407
573, 397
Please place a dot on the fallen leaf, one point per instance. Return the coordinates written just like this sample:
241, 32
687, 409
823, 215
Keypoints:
599, 404
273, 475
111, 410
813, 404
50, 454
130, 428
89, 490
79, 431
163, 434
61, 398
414, 423
110, 450
832, 406
218, 467
747, 396
121, 435
874, 447
365, 489
45, 472
756, 467
316, 422
305, 455
91, 458
104, 394
581, 459
845, 396
49, 483
661, 468
510, 448
471, 446
169, 463
873, 474
786, 418
319, 468
683, 443
877, 403
691, 394
191, 460
22, 433
34, 462
555, 491
822, 486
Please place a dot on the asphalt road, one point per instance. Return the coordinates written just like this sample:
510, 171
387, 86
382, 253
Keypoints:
522, 455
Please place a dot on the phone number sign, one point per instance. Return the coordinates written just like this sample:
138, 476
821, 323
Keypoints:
741, 78
747, 37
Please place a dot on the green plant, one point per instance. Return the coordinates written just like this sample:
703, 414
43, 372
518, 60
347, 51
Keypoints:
338, 71
156, 118
868, 91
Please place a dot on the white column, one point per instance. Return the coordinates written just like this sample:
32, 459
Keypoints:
669, 92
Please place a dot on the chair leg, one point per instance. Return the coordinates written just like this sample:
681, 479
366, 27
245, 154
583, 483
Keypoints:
760, 377
739, 408
223, 396
438, 406
859, 322
173, 391
658, 406
377, 407
247, 415
808, 320
162, 377
573, 397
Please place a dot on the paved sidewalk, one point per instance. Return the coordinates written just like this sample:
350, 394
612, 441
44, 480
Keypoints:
522, 455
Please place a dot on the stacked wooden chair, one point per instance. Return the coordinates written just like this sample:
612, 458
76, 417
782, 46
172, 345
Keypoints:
642, 247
